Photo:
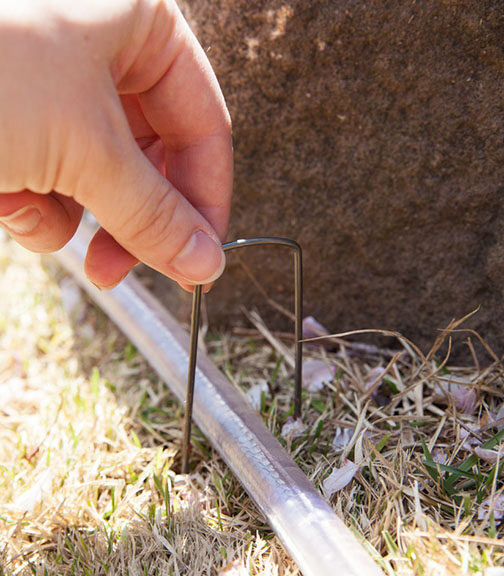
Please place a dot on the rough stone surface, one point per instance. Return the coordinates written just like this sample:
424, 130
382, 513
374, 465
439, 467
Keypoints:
372, 133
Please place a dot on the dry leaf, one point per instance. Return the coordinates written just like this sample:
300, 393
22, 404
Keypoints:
407, 438
487, 419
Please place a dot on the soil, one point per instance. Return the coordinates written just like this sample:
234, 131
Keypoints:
373, 134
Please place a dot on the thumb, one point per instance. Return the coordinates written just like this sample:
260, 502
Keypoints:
144, 215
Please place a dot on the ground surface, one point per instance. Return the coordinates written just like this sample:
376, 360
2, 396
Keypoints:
89, 439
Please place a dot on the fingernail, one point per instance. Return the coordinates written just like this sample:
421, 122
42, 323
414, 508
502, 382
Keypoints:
201, 261
111, 286
23, 221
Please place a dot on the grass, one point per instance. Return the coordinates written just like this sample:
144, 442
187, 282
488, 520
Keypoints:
89, 442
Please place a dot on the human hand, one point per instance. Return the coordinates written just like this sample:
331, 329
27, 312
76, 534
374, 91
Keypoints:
113, 106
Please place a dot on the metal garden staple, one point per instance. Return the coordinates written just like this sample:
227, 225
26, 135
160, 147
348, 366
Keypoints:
195, 321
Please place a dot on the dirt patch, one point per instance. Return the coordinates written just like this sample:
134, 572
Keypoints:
371, 133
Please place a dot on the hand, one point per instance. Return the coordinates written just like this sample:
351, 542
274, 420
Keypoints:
113, 106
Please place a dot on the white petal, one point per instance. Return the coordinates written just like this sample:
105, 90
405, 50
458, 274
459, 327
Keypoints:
497, 505
12, 389
339, 478
293, 428
254, 394
29, 500
488, 455
71, 299
469, 440
342, 438
494, 571
439, 456
312, 328
315, 374
500, 414
374, 375
459, 389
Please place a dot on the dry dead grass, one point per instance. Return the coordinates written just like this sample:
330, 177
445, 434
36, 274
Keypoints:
89, 439
430, 458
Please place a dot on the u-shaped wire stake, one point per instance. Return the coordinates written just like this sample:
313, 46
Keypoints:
195, 320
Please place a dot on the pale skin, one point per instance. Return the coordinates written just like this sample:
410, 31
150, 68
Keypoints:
113, 106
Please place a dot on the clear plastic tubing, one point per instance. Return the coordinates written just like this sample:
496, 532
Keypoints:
315, 537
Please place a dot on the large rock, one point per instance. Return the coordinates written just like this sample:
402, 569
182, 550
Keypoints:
373, 134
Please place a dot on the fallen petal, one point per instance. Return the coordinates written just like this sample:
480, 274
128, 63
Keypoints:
254, 394
499, 416
496, 505
490, 456
459, 390
312, 328
439, 456
467, 401
374, 382
315, 374
30, 499
12, 389
469, 440
339, 478
374, 378
342, 438
293, 428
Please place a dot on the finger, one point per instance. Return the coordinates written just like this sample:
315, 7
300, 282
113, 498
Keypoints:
186, 108
148, 141
40, 223
107, 262
138, 124
138, 207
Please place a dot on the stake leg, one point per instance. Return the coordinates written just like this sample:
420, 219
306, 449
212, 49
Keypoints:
191, 375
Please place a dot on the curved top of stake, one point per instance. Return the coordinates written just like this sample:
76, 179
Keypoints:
268, 240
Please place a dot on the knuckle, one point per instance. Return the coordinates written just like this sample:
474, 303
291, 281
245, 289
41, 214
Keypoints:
153, 224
